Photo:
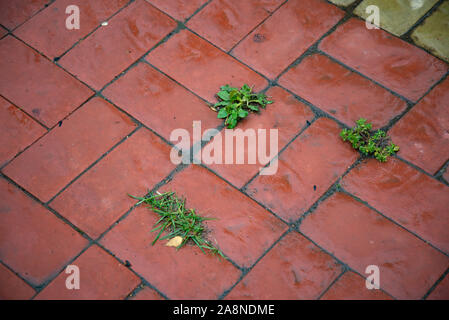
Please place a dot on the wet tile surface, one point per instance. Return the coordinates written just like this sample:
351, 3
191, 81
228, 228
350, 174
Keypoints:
351, 286
91, 115
348, 96
396, 16
226, 22
18, 131
394, 63
13, 288
178, 9
379, 184
200, 66
116, 282
100, 197
36, 85
46, 167
287, 34
287, 115
110, 50
34, 242
47, 32
159, 102
423, 133
182, 274
303, 272
310, 165
408, 265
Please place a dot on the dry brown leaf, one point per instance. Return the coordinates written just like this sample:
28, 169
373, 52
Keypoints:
174, 242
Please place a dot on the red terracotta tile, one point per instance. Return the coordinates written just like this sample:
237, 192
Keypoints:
360, 237
351, 286
159, 102
36, 85
12, 287
178, 9
287, 34
316, 158
348, 97
147, 294
226, 22
243, 230
200, 66
286, 114
420, 202
16, 12
294, 269
441, 292
110, 50
18, 131
180, 274
386, 59
60, 156
47, 31
423, 133
102, 277
33, 242
100, 197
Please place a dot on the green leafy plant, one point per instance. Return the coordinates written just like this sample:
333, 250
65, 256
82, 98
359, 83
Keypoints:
235, 104
369, 142
180, 223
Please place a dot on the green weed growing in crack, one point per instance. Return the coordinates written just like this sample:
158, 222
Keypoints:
183, 225
369, 142
236, 103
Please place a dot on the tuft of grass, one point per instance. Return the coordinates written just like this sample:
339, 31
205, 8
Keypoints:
369, 142
177, 220
235, 104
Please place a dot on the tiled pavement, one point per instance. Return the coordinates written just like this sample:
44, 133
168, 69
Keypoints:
86, 117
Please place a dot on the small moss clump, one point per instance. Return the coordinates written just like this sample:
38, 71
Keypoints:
369, 142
